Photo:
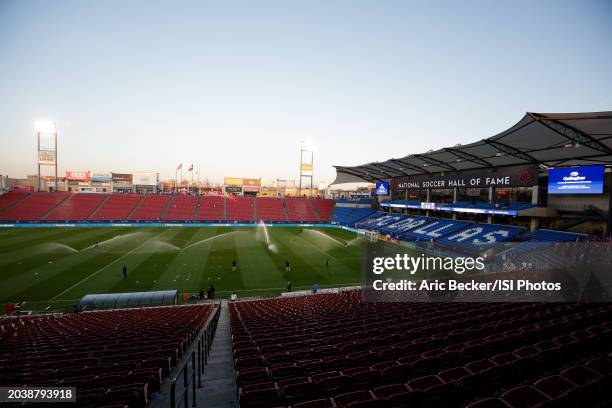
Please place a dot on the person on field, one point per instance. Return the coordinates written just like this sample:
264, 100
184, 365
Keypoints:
211, 292
327, 264
124, 272
9, 309
315, 287
287, 266
289, 286
233, 297
201, 294
234, 265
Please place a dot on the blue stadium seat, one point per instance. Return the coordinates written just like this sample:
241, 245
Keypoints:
350, 215
379, 222
404, 225
483, 234
555, 236
437, 229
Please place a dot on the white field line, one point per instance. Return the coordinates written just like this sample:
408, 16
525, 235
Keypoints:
329, 237
316, 247
103, 268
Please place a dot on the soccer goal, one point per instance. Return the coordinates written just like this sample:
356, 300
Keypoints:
371, 236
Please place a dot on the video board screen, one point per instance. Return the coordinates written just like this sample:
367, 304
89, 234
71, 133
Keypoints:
576, 180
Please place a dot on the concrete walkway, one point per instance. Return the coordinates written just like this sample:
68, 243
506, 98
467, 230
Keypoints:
218, 383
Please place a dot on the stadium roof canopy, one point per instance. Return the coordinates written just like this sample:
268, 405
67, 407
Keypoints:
543, 139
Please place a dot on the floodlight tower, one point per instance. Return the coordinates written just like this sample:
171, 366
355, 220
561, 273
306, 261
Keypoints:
306, 164
46, 135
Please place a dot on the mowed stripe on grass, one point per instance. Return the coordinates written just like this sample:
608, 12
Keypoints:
187, 259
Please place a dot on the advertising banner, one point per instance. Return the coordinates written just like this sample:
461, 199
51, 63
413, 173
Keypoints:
576, 180
268, 183
285, 183
233, 189
267, 192
122, 179
78, 175
519, 176
251, 185
428, 206
232, 181
46, 157
101, 177
251, 182
144, 179
306, 169
382, 188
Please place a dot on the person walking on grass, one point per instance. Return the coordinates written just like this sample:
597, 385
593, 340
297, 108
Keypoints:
124, 272
234, 265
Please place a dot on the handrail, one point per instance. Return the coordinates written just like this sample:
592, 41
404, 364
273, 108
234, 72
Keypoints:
204, 344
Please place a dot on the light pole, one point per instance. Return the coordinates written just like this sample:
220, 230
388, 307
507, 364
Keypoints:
47, 155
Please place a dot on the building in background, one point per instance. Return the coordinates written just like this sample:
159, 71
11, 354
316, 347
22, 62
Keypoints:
122, 182
286, 188
251, 187
101, 182
145, 182
78, 181
232, 185
268, 188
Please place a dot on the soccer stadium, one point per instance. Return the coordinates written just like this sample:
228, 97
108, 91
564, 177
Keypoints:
469, 270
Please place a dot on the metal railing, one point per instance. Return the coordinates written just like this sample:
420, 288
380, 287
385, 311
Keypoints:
198, 359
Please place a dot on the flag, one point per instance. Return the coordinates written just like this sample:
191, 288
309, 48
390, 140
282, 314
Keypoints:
180, 166
190, 168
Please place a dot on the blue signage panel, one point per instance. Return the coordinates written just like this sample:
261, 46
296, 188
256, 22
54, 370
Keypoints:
382, 188
576, 180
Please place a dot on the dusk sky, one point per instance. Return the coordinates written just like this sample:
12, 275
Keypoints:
233, 87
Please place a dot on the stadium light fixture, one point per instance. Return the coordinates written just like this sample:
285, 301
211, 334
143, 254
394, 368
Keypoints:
309, 145
45, 126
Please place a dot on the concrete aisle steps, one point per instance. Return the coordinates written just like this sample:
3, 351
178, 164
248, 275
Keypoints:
218, 383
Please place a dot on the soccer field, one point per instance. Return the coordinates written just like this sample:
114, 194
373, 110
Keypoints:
57, 266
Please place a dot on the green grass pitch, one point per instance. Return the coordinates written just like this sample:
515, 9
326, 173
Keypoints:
57, 266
